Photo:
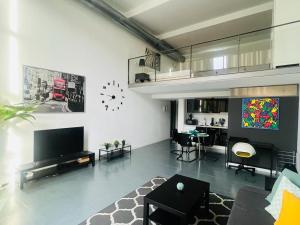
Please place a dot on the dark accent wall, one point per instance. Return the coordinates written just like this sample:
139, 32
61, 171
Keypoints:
284, 139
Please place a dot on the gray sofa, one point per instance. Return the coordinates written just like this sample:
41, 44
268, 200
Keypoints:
249, 208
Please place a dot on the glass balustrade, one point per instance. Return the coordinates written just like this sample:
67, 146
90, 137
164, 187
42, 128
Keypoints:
246, 52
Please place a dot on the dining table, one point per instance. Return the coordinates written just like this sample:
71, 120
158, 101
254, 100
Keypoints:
201, 138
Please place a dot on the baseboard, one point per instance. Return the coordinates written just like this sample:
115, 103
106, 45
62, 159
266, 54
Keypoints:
265, 172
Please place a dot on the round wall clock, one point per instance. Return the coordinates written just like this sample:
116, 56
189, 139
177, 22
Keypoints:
112, 96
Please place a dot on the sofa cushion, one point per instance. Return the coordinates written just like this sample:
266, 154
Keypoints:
249, 208
292, 176
290, 210
275, 207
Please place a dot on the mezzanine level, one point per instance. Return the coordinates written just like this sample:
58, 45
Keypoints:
253, 58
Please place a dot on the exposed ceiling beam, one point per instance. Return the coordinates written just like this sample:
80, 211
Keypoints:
135, 29
144, 7
218, 20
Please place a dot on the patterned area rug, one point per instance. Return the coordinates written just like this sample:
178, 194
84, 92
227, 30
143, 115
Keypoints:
129, 209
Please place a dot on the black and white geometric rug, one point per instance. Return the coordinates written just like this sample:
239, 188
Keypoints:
129, 209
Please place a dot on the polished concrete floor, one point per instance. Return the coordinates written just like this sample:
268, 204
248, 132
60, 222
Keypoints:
70, 198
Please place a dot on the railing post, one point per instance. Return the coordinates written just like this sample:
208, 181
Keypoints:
128, 71
238, 52
191, 54
155, 58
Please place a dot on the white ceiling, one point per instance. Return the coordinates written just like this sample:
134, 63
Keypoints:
184, 22
181, 13
220, 30
125, 6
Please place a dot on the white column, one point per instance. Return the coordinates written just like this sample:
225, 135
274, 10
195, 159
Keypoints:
180, 115
286, 45
298, 140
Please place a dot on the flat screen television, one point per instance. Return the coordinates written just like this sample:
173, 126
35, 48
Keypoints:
54, 143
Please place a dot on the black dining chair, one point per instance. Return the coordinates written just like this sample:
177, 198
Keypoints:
209, 142
174, 134
184, 140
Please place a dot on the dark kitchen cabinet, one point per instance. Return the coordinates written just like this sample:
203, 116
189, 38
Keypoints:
192, 105
207, 105
222, 105
222, 137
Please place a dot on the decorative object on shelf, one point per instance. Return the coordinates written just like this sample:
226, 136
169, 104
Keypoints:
191, 121
116, 143
212, 123
123, 142
107, 145
21, 111
262, 113
152, 59
180, 186
222, 121
58, 91
112, 96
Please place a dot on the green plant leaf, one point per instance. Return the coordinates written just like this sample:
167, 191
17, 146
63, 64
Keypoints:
22, 111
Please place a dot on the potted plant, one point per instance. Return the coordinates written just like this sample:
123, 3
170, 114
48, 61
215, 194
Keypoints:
8, 113
116, 143
107, 145
22, 111
123, 142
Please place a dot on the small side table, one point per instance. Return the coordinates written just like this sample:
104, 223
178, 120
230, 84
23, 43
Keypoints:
114, 152
175, 207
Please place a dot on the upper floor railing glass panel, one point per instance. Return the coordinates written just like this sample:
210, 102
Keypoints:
246, 52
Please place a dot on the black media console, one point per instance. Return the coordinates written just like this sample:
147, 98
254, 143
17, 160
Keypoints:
36, 170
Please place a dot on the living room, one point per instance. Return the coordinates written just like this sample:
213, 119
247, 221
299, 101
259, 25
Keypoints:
68, 78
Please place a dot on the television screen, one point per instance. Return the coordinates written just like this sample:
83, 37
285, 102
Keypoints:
55, 143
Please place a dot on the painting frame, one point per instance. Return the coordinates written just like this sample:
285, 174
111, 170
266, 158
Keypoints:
261, 113
152, 59
54, 91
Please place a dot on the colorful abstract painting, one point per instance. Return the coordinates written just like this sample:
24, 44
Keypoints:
262, 113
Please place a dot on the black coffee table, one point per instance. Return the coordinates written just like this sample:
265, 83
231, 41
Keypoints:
177, 207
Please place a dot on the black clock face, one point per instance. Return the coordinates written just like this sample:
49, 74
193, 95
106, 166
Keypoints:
112, 96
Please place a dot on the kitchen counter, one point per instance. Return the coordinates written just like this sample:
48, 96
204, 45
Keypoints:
209, 126
193, 127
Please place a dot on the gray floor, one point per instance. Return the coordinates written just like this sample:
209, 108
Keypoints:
72, 197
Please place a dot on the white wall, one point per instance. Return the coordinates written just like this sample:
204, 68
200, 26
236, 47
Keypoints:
286, 47
67, 36
298, 140
180, 115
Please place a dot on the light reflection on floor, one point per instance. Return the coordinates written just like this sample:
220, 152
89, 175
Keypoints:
71, 197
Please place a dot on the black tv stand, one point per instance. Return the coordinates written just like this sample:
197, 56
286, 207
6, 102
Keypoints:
54, 166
